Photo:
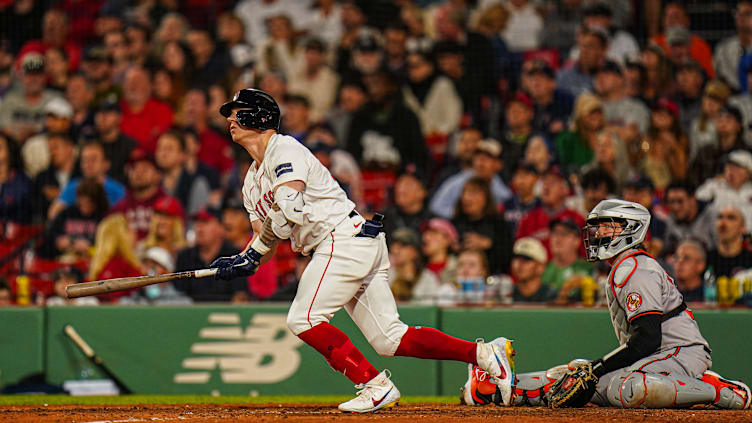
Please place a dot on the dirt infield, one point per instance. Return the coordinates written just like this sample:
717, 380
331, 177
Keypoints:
209, 413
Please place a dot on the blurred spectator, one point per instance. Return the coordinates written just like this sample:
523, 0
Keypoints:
114, 253
555, 190
138, 42
36, 150
690, 80
62, 168
486, 166
72, 232
117, 146
523, 29
282, 50
55, 31
325, 21
15, 186
340, 163
409, 209
367, 57
553, 105
315, 80
575, 146
618, 109
461, 151
434, 100
64, 278
639, 189
689, 265
211, 63
395, 48
710, 159
729, 51
688, 218
354, 29
519, 114
297, 121
439, 242
561, 24
231, 33
743, 102
116, 45
351, 97
611, 157
409, 279
210, 244
214, 148
729, 254
144, 118
675, 16
528, 264
578, 77
664, 151
481, 227
538, 153
22, 110
56, 68
702, 131
6, 296
659, 78
621, 44
98, 68
567, 267
144, 190
178, 72
384, 132
734, 187
166, 229
256, 13
80, 94
194, 165
597, 185
94, 165
492, 22
191, 189
523, 184
157, 261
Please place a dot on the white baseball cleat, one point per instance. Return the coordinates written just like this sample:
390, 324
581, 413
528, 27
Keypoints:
497, 359
730, 394
375, 394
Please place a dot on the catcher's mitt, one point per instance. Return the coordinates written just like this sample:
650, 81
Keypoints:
574, 389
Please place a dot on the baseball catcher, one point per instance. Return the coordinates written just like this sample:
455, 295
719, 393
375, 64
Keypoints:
662, 361
289, 194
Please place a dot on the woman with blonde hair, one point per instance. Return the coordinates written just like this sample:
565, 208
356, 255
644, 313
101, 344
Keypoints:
166, 229
114, 253
575, 147
611, 156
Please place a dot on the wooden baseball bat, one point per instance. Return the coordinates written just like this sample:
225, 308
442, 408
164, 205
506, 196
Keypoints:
120, 284
91, 355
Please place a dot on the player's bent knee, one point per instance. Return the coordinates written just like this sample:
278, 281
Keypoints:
299, 323
386, 342
642, 390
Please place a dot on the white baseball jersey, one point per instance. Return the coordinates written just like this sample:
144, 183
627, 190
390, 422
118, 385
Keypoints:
285, 160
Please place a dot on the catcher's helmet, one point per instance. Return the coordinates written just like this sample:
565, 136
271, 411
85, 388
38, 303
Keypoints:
633, 218
258, 110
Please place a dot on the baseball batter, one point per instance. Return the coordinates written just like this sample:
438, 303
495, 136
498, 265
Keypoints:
289, 194
663, 360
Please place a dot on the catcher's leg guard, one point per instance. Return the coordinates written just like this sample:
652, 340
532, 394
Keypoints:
652, 390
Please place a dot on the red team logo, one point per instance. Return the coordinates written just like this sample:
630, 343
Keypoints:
634, 301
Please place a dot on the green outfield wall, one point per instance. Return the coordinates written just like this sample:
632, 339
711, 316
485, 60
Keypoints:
241, 350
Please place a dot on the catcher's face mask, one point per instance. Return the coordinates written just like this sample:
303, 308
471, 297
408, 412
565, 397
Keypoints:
601, 237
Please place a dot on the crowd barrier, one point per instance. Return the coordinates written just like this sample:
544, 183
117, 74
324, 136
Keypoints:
247, 350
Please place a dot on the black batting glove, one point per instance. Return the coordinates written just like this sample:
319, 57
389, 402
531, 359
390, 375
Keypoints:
244, 265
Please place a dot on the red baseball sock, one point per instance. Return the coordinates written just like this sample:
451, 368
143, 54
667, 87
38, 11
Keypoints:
341, 354
422, 342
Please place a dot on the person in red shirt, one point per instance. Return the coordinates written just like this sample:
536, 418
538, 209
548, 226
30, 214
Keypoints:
674, 15
144, 190
215, 150
55, 30
144, 118
535, 223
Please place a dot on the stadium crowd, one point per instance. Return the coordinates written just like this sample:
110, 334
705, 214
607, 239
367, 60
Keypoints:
483, 129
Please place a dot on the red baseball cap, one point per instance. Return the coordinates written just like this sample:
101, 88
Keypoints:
139, 155
169, 206
443, 226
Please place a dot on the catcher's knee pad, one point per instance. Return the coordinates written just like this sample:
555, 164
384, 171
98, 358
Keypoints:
642, 390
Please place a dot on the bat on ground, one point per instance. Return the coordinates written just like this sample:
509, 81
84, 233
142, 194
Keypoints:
91, 355
120, 284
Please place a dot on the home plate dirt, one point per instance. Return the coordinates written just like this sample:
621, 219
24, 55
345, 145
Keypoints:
411, 413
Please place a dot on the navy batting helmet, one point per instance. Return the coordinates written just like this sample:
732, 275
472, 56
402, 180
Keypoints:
258, 110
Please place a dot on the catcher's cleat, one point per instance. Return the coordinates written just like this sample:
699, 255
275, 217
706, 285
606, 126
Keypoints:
497, 359
729, 394
478, 390
375, 394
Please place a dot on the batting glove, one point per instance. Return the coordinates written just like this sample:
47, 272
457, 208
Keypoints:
244, 265
224, 261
